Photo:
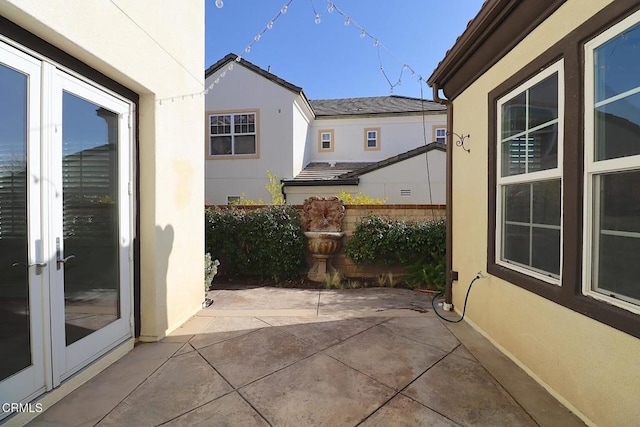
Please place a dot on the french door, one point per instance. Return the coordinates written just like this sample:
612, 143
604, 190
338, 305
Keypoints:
65, 224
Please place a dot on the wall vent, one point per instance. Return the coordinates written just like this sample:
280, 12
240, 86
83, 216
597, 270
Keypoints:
405, 193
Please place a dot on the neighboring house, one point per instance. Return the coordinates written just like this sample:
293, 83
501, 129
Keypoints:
101, 213
256, 122
546, 202
402, 179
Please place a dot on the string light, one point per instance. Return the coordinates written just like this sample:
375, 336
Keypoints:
331, 7
219, 4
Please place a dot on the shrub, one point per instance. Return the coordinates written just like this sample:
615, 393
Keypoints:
386, 241
210, 270
359, 199
268, 242
420, 246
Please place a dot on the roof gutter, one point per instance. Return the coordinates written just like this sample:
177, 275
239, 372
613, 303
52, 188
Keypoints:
319, 183
449, 198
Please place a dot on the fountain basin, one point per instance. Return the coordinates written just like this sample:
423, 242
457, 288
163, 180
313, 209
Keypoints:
323, 242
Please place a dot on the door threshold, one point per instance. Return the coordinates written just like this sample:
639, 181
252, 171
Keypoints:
50, 398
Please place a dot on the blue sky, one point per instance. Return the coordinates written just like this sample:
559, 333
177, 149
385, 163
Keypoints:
331, 59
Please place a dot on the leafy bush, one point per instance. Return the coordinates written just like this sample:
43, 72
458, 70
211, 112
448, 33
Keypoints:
210, 270
420, 246
359, 199
268, 242
432, 275
380, 240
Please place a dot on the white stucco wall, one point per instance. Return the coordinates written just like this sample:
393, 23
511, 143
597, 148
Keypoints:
410, 174
398, 134
386, 183
154, 48
590, 367
243, 89
302, 118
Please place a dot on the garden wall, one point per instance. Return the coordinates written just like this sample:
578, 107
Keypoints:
354, 213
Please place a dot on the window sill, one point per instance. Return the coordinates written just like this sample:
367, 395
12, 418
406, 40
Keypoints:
233, 157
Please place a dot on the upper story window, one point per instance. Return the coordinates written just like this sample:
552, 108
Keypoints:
233, 134
325, 140
440, 135
372, 139
529, 171
612, 165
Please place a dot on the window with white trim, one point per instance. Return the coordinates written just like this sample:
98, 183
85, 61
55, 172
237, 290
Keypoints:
612, 165
529, 176
372, 139
441, 135
325, 140
232, 134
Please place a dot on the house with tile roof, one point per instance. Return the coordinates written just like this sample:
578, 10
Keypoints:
389, 147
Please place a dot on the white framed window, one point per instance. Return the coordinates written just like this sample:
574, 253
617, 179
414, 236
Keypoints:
233, 134
612, 165
529, 176
325, 140
372, 139
441, 135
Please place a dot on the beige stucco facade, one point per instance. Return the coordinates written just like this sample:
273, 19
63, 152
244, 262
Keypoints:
155, 49
590, 367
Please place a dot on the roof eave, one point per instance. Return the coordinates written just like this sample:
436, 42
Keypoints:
499, 26
319, 182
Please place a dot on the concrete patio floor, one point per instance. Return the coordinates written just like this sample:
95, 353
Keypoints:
293, 357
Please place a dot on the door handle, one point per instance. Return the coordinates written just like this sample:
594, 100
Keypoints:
36, 264
59, 258
64, 260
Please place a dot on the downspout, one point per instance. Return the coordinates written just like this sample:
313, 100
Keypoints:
449, 200
284, 193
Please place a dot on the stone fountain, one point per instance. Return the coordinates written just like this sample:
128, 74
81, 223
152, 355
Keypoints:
322, 218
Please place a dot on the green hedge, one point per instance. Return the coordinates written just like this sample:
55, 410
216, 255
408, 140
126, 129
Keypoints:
380, 240
268, 242
420, 246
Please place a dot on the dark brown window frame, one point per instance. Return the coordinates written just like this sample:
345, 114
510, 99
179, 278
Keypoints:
569, 294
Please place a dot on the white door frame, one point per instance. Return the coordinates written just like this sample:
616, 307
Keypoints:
52, 361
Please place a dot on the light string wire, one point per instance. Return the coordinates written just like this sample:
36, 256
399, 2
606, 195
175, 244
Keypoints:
331, 7
247, 49
349, 21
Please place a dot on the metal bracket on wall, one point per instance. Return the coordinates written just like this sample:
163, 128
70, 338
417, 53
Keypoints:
460, 141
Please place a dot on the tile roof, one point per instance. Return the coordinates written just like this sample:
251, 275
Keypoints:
316, 171
322, 173
395, 159
392, 104
264, 73
373, 105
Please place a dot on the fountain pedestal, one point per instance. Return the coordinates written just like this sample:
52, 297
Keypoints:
322, 245
323, 220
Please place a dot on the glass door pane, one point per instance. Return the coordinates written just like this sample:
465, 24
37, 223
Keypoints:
15, 342
89, 252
